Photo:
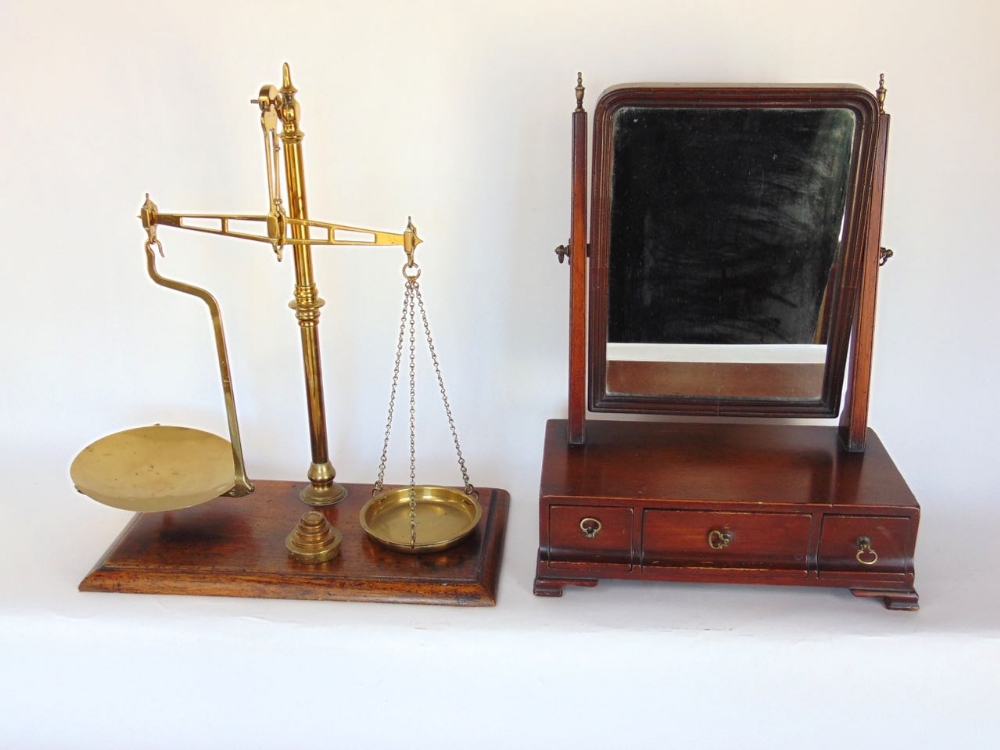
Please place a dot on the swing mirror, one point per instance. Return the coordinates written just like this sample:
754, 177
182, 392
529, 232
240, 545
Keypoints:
726, 241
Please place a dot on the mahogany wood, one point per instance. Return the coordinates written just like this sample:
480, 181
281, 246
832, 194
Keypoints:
792, 501
554, 586
854, 417
842, 306
578, 284
236, 547
838, 550
680, 537
612, 544
891, 599
765, 504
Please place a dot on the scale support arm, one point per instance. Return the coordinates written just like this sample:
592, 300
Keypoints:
275, 229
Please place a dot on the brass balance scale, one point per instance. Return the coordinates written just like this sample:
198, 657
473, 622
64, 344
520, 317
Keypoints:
414, 543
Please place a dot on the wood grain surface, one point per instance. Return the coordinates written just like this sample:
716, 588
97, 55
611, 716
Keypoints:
236, 547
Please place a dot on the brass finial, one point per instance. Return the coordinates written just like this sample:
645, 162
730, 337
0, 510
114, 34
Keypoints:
880, 93
288, 107
579, 92
286, 80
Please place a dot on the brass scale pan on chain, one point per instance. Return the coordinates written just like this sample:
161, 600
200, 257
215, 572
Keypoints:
418, 518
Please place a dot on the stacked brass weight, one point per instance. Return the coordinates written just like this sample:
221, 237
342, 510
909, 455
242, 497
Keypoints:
314, 539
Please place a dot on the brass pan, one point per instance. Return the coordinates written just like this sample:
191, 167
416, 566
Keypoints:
444, 516
155, 468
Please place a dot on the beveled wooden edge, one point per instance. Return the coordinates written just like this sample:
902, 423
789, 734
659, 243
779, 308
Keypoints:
95, 573
151, 582
495, 534
842, 311
482, 592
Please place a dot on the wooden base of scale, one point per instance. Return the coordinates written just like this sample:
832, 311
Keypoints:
236, 547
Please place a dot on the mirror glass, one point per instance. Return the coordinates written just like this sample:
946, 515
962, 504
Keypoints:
722, 251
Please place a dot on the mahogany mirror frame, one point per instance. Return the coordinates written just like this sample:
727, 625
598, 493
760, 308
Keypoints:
856, 251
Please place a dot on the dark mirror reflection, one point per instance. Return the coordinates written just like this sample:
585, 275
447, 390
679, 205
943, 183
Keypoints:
725, 233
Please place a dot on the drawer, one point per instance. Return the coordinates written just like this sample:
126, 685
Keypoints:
714, 539
842, 543
591, 533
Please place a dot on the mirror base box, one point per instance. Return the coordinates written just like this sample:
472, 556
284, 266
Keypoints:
724, 503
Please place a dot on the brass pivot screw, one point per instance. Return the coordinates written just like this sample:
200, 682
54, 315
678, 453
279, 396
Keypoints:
314, 539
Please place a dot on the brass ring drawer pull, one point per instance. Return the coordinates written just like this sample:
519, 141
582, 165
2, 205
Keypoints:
719, 539
590, 527
866, 555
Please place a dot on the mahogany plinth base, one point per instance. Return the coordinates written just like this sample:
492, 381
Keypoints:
236, 547
724, 503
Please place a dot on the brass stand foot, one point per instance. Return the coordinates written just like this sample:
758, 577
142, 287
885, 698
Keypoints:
326, 494
322, 490
314, 539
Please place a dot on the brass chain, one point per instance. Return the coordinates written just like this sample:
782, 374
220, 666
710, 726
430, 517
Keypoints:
469, 489
412, 286
392, 397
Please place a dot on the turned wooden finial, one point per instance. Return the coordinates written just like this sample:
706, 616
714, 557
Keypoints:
579, 92
880, 93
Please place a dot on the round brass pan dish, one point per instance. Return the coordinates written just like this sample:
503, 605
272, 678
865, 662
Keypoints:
155, 468
444, 516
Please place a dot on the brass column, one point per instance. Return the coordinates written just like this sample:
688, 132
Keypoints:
322, 490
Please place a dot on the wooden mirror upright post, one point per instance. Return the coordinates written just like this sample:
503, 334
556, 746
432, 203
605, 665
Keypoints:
716, 502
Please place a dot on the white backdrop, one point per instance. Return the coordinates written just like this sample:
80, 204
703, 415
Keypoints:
458, 114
